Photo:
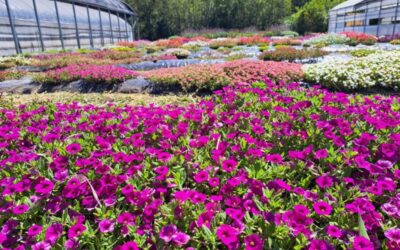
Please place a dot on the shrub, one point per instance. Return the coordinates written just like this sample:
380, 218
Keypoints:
327, 39
90, 73
376, 70
253, 40
11, 75
12, 61
223, 43
210, 77
289, 33
360, 38
291, 54
179, 53
287, 42
395, 42
362, 52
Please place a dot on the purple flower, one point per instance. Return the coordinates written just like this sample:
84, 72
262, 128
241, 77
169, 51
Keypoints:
253, 242
73, 148
393, 235
130, 245
180, 239
321, 154
76, 230
227, 234
53, 233
41, 246
322, 208
71, 244
333, 231
361, 243
167, 232
320, 245
324, 181
20, 209
214, 182
44, 187
34, 230
106, 226
201, 176
229, 165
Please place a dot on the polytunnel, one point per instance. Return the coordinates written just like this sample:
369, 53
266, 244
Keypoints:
38, 25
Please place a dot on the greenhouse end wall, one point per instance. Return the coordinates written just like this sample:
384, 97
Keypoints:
34, 25
375, 17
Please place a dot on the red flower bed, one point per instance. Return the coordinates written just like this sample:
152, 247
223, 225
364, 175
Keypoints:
360, 38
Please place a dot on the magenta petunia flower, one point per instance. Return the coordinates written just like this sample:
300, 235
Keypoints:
214, 182
227, 234
20, 209
71, 244
229, 165
180, 239
167, 232
361, 243
126, 218
73, 148
324, 181
106, 226
322, 208
301, 209
44, 187
201, 176
41, 246
321, 154
34, 230
393, 235
333, 231
76, 230
253, 242
319, 245
130, 245
53, 233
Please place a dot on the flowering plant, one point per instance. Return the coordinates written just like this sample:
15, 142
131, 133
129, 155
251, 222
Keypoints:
286, 41
11, 75
196, 77
90, 73
326, 39
291, 54
360, 38
256, 166
375, 70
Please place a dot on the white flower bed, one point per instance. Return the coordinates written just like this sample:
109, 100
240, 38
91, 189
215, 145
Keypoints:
376, 70
327, 39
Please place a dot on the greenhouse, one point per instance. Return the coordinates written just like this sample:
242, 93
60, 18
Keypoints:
374, 17
38, 25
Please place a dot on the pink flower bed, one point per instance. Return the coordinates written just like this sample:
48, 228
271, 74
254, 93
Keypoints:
192, 78
265, 166
90, 73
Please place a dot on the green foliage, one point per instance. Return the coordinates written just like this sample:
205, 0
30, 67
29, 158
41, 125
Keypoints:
362, 52
313, 16
166, 18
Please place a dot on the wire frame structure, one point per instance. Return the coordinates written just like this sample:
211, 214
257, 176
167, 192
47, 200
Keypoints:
375, 17
37, 25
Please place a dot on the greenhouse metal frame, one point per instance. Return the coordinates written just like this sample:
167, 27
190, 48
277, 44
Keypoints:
38, 25
375, 17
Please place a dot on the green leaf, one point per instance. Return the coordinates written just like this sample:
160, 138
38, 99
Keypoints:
361, 225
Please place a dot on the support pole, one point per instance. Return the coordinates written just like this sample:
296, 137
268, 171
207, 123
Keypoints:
76, 27
90, 27
379, 19
15, 37
119, 28
101, 28
395, 18
126, 27
111, 27
59, 25
366, 18
38, 25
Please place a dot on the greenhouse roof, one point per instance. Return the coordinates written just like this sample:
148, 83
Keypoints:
347, 4
112, 5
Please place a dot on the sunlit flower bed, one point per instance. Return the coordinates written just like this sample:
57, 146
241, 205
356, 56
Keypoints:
273, 167
211, 77
90, 73
375, 70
